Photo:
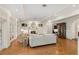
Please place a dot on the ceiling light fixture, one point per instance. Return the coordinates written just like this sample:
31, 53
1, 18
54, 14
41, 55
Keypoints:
44, 5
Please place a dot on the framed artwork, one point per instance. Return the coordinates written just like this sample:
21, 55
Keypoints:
24, 25
40, 25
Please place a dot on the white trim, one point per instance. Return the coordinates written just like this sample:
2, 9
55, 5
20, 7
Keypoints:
70, 15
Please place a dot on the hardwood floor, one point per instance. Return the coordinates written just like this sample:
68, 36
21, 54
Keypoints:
62, 47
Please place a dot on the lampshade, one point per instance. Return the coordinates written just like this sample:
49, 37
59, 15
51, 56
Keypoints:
24, 31
55, 30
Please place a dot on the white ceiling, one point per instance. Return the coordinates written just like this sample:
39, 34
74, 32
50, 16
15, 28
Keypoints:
37, 11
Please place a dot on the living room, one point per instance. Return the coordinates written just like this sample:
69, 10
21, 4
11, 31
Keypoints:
43, 26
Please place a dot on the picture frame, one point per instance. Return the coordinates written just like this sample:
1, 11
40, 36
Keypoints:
40, 25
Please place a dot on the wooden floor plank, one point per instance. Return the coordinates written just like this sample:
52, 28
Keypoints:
62, 47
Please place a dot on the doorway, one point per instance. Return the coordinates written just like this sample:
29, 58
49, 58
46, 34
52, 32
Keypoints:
61, 30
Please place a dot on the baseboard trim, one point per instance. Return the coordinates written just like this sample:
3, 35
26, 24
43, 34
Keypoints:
43, 45
72, 38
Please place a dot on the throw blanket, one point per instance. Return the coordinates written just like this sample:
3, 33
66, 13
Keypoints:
23, 38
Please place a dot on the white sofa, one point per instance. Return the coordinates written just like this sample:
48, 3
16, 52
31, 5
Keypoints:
38, 40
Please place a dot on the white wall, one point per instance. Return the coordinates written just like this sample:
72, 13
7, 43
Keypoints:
6, 34
71, 25
47, 26
5, 40
4, 15
13, 28
70, 29
77, 34
78, 37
